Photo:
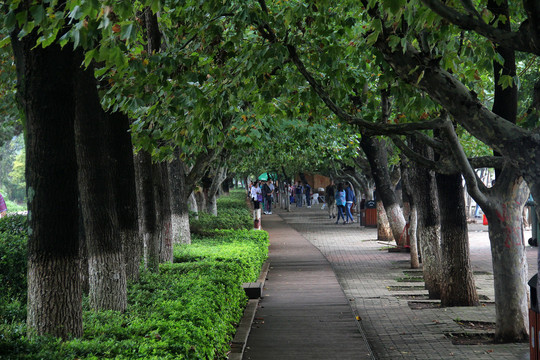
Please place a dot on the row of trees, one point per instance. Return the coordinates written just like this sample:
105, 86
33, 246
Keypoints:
206, 90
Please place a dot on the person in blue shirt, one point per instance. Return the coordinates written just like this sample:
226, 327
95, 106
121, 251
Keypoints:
350, 199
340, 203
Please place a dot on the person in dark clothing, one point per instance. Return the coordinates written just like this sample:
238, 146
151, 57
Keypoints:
298, 195
330, 197
351, 200
307, 189
267, 193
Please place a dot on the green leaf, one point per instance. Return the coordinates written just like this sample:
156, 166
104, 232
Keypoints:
506, 81
394, 5
128, 32
155, 5
89, 56
5, 41
9, 21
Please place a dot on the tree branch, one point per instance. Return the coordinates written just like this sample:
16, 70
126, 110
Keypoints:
495, 162
520, 40
366, 126
413, 155
474, 186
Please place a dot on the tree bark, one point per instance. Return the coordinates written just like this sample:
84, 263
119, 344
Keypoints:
375, 151
147, 209
107, 272
192, 202
384, 231
180, 196
45, 93
424, 191
509, 258
201, 201
458, 287
125, 192
163, 206
412, 213
219, 176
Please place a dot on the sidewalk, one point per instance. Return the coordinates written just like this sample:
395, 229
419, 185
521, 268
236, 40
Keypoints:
397, 319
304, 313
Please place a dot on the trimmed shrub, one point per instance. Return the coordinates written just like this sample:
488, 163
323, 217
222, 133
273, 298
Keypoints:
189, 310
228, 218
13, 258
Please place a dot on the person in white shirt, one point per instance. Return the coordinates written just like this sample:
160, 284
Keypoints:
256, 197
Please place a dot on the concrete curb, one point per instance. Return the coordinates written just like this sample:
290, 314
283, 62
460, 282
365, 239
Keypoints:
238, 345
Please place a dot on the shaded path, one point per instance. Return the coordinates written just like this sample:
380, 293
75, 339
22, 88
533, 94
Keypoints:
304, 313
393, 328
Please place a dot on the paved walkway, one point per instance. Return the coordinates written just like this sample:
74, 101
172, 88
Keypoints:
368, 277
304, 313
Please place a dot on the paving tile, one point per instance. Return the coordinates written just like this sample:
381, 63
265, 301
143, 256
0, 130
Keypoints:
365, 273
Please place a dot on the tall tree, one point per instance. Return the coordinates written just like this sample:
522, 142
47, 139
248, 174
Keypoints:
375, 151
424, 190
106, 264
458, 287
123, 176
47, 97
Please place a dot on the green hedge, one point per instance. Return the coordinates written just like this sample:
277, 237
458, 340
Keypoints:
226, 219
247, 248
13, 259
189, 310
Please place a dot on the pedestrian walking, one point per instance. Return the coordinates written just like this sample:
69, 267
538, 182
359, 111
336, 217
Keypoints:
350, 199
256, 197
307, 190
340, 203
298, 193
330, 197
267, 196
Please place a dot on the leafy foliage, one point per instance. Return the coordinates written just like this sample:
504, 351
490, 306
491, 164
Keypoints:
226, 219
188, 310
13, 264
232, 214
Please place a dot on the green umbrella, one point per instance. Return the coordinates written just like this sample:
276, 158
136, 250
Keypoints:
263, 177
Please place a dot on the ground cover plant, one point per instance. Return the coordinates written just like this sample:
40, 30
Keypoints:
188, 310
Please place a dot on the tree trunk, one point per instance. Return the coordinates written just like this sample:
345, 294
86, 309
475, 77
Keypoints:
180, 196
201, 201
384, 232
147, 209
413, 237
408, 202
458, 287
375, 151
219, 175
192, 202
45, 93
163, 206
125, 192
83, 256
509, 259
106, 266
424, 191
226, 185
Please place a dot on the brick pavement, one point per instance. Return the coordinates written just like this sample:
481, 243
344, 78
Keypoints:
368, 276
304, 313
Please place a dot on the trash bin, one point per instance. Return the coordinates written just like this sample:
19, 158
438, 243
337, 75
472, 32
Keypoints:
534, 320
371, 213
